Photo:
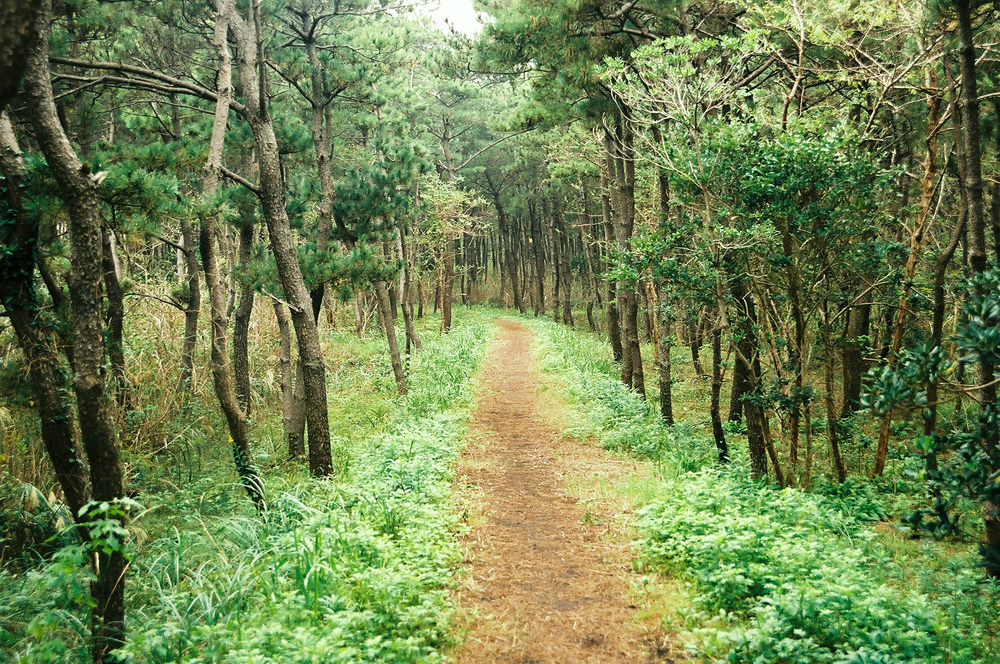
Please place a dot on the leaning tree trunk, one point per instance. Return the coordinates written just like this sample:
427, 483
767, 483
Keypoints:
385, 315
253, 81
222, 378
78, 190
927, 187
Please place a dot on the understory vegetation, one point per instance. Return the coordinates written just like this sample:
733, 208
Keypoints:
778, 575
354, 567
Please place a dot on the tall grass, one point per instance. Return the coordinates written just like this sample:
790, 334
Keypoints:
349, 569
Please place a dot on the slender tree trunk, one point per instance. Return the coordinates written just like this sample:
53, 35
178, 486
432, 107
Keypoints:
253, 82
937, 320
193, 307
611, 298
539, 254
235, 417
293, 438
664, 342
406, 290
114, 318
858, 328
447, 284
567, 277
927, 186
832, 424
978, 253
717, 432
241, 321
78, 189
385, 315
37, 340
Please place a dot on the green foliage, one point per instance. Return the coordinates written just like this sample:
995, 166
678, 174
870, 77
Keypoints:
356, 571
779, 576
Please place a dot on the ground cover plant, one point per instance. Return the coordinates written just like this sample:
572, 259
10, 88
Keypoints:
350, 568
777, 575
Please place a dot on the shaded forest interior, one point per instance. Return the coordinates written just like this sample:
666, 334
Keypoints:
252, 252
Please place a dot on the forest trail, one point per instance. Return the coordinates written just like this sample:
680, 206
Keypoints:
547, 579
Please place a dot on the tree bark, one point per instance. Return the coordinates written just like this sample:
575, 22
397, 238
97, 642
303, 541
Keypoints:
239, 437
78, 189
611, 298
17, 18
193, 305
385, 315
114, 318
253, 83
717, 432
35, 337
241, 320
978, 253
927, 186
748, 354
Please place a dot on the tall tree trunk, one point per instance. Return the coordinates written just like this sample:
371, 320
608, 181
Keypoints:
539, 254
978, 253
447, 284
406, 290
253, 82
628, 306
115, 320
927, 186
937, 317
853, 359
193, 307
832, 425
35, 337
221, 377
385, 315
747, 353
611, 298
740, 386
293, 438
567, 276
78, 189
664, 342
717, 432
241, 320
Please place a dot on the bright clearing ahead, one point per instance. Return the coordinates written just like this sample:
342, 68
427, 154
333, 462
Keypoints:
458, 14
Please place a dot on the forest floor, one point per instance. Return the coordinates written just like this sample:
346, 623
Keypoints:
547, 574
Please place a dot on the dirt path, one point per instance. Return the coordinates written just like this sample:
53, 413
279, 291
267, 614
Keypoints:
547, 579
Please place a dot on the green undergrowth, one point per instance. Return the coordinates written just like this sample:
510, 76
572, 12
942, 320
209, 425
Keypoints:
777, 576
351, 569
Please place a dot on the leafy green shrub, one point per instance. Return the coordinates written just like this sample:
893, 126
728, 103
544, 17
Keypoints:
780, 576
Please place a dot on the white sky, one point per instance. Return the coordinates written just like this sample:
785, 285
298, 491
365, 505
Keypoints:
458, 13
